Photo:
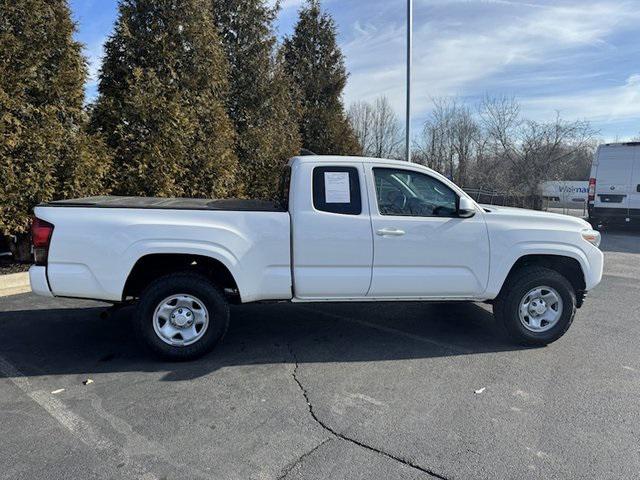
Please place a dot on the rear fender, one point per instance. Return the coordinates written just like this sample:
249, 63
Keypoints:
149, 247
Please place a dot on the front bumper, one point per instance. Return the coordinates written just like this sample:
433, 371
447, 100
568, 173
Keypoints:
595, 267
38, 280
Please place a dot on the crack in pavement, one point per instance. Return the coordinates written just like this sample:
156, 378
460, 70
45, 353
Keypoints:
299, 460
341, 436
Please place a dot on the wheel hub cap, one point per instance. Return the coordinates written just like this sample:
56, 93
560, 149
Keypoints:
181, 317
540, 309
180, 320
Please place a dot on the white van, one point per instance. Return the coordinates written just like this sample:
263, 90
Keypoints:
614, 184
569, 194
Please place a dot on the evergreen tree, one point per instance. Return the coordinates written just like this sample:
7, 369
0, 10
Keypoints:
161, 105
261, 101
43, 142
315, 62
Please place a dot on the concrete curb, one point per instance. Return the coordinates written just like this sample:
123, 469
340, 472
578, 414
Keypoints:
14, 283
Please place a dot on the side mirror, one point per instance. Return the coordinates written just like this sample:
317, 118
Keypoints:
466, 208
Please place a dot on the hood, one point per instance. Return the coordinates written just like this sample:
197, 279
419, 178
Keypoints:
535, 215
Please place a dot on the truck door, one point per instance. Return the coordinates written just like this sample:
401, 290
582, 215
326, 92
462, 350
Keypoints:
331, 231
422, 249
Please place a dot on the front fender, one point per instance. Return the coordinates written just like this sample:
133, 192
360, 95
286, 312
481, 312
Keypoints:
502, 265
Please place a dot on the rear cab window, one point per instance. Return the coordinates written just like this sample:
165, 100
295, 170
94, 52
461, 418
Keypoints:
337, 189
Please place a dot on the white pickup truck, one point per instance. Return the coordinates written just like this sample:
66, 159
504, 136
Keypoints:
345, 229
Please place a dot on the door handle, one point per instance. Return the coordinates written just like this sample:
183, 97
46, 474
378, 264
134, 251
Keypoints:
390, 232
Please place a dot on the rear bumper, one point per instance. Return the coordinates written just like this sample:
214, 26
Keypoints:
613, 215
38, 280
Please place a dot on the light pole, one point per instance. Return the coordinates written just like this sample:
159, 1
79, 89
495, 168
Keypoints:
407, 139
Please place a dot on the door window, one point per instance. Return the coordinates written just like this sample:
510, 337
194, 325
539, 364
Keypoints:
408, 193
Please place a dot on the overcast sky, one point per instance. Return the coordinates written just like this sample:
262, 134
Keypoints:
581, 58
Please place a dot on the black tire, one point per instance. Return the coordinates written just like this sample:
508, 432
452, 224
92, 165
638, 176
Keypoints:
182, 283
519, 283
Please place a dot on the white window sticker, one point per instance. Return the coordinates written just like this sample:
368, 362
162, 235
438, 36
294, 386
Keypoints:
336, 187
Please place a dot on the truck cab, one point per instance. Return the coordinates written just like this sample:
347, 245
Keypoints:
383, 230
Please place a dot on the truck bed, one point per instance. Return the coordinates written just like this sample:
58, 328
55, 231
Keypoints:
231, 204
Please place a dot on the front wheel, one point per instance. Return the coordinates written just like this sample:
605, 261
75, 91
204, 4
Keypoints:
536, 306
182, 316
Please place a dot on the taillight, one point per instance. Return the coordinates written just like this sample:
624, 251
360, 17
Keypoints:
592, 189
40, 238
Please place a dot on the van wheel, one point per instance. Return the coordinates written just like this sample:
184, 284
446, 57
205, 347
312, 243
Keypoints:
596, 224
182, 316
536, 306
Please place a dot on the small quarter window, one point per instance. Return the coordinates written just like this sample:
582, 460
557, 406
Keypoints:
337, 190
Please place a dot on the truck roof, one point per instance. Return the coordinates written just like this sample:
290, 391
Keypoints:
342, 159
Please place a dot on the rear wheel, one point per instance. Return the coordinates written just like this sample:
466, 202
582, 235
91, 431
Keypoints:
536, 306
182, 316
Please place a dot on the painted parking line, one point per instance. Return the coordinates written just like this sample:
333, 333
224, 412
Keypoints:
72, 422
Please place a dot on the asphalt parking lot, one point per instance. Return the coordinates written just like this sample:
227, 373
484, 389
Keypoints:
384, 391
